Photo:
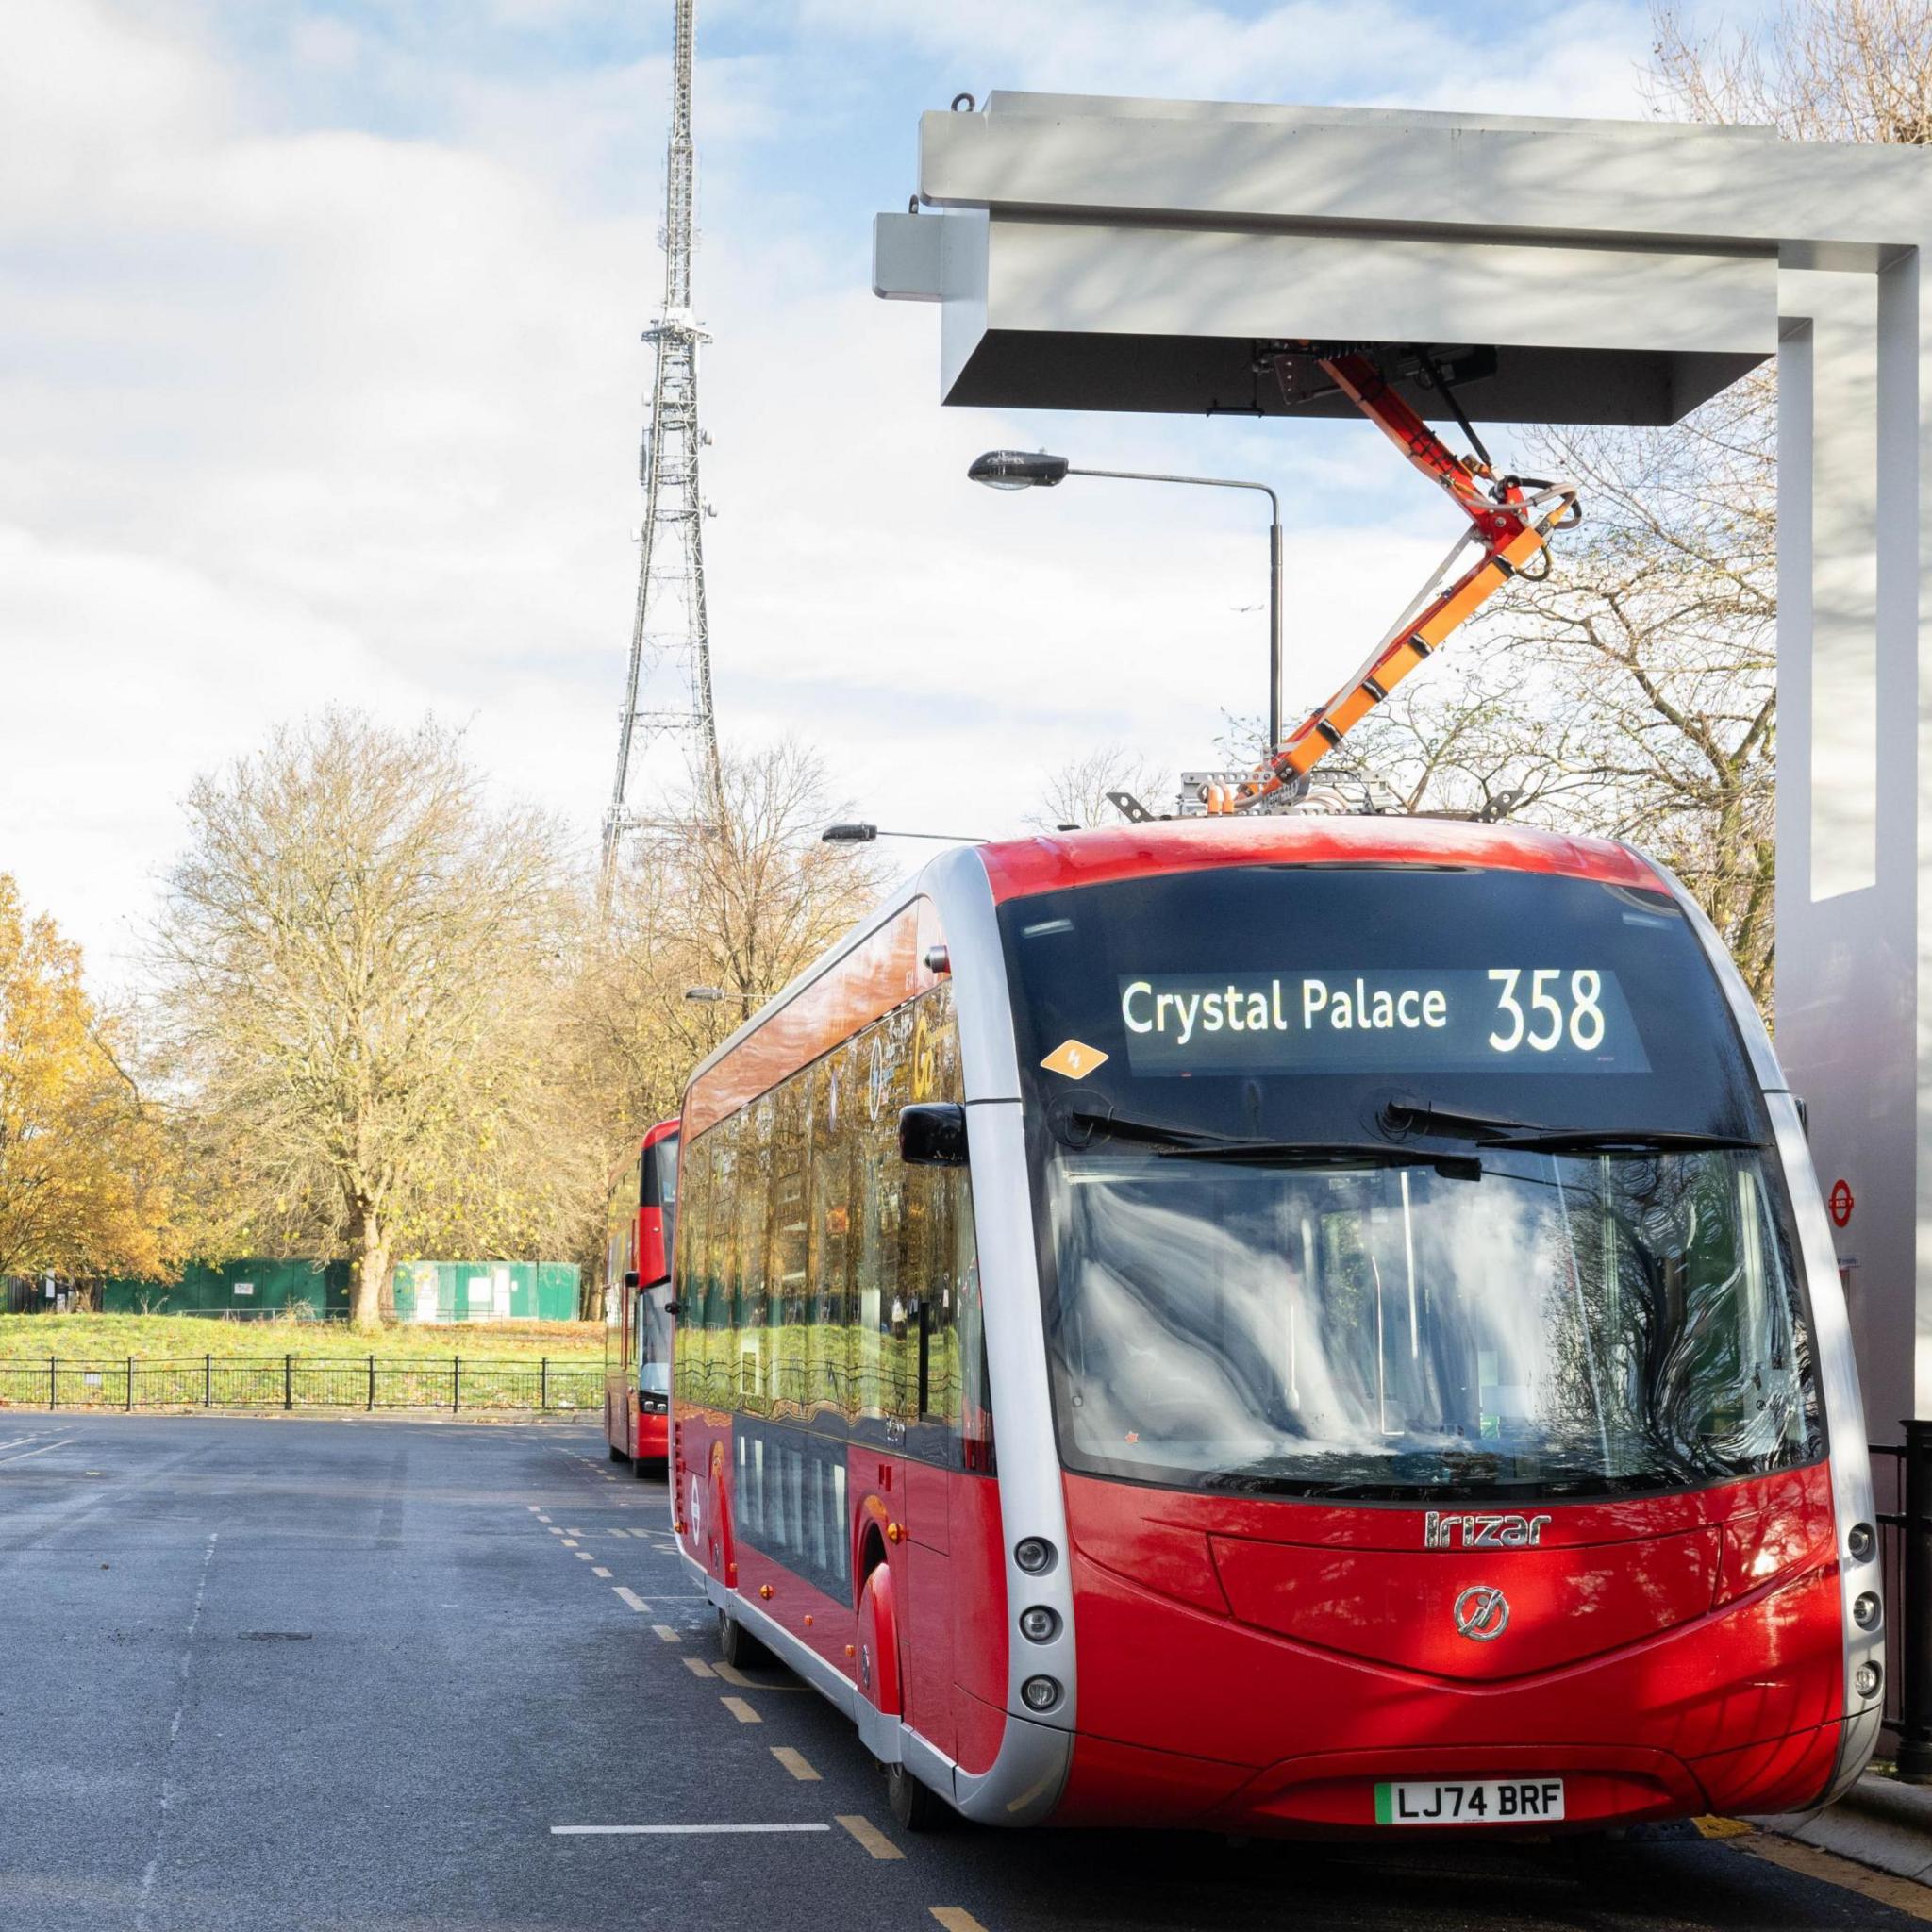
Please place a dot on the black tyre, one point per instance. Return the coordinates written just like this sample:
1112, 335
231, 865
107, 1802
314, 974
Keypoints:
737, 1646
917, 1807
644, 1471
616, 1453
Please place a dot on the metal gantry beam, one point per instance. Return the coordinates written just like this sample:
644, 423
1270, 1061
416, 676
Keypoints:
667, 696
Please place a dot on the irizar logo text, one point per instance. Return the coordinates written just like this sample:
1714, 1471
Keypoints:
1441, 1532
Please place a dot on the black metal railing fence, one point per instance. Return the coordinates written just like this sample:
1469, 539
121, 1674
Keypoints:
291, 1381
1902, 1487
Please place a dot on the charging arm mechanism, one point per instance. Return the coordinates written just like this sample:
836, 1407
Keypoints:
1510, 517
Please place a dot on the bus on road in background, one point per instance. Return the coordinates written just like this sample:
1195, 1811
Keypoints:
642, 1227
1298, 1325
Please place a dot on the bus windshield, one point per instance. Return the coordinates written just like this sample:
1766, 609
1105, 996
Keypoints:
1506, 1226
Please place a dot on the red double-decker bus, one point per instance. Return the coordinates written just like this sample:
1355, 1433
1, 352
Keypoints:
1294, 1325
637, 1303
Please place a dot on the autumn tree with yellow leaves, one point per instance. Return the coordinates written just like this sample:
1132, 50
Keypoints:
86, 1186
360, 974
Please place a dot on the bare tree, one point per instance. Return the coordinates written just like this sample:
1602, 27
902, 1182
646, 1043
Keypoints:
741, 908
356, 961
1076, 792
1815, 70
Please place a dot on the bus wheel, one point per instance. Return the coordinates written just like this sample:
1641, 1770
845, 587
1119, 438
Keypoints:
737, 1645
616, 1453
917, 1807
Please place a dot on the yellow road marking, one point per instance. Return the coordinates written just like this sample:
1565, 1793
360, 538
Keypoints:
583, 1555
1722, 1827
574, 1532
957, 1919
631, 1597
871, 1837
1901, 1894
567, 1544
698, 1667
740, 1709
555, 1531
795, 1764
732, 1675
535, 1510
599, 1570
666, 1632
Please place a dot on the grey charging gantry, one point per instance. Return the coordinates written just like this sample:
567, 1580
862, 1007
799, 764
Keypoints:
1125, 255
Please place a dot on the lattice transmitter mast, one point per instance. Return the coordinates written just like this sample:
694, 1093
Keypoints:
667, 698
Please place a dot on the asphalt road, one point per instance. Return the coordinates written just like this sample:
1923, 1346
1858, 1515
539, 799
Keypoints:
315, 1675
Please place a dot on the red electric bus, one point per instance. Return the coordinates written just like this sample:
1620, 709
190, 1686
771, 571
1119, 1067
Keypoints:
642, 1225
1283, 1325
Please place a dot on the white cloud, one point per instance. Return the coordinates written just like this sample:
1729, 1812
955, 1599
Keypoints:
303, 408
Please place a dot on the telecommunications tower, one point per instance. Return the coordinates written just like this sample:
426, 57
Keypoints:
667, 695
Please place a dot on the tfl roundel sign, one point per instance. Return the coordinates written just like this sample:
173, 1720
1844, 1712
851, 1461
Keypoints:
1841, 1202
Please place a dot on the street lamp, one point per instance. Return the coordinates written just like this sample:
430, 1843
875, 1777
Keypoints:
1019, 469
711, 995
861, 833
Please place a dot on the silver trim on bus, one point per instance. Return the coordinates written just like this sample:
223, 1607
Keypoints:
1032, 1494
1838, 1367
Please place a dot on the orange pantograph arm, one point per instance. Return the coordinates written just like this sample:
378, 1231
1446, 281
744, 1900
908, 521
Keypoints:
1511, 527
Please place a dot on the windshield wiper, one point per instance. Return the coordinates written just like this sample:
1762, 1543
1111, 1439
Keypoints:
1497, 1130
1202, 1144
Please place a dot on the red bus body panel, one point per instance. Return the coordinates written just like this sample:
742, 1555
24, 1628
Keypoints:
1673, 1654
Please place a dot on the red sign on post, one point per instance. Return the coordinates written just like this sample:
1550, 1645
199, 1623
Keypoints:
1841, 1202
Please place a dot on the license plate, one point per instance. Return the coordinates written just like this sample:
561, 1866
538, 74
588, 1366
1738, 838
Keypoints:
1485, 1801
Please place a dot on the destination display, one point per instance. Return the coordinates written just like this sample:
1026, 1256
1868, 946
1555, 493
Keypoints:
1499, 1019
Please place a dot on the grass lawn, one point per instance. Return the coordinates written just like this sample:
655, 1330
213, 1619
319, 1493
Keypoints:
163, 1338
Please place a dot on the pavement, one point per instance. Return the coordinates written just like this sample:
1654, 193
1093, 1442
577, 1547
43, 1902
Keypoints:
359, 1675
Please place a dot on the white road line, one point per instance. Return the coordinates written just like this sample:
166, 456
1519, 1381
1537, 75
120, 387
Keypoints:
25, 1453
672, 1830
598, 1570
154, 1863
582, 1555
631, 1597
19, 1439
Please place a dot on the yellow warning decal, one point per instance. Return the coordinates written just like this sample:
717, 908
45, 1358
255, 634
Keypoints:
1075, 1059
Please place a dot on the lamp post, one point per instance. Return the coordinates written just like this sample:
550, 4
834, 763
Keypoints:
1019, 469
713, 996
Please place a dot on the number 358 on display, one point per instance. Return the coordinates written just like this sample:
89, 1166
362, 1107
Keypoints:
1553, 1003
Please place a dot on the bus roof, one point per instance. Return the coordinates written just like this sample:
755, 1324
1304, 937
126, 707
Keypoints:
1019, 868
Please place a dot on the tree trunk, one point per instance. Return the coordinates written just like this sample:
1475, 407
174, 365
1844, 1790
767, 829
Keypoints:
372, 1268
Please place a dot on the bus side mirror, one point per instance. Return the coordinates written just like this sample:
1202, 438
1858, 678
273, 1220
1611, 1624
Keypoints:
932, 1132
631, 1280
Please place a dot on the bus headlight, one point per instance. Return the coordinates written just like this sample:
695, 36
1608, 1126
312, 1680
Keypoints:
1866, 1610
1039, 1624
1866, 1680
1040, 1693
1033, 1555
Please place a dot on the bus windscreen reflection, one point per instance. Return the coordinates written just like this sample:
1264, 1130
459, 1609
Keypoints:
1563, 1325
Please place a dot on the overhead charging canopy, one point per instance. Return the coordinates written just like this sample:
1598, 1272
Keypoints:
1051, 304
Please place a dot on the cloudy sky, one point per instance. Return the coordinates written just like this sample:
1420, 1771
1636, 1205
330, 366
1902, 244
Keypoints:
321, 381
